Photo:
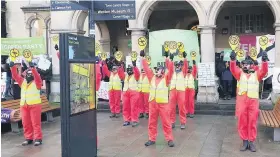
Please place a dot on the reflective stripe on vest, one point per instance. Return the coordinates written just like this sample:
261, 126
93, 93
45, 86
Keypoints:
115, 82
30, 95
249, 85
189, 81
159, 92
130, 83
177, 81
144, 84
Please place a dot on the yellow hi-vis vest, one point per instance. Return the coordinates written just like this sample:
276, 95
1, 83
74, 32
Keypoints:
178, 81
189, 81
159, 92
30, 95
130, 83
144, 84
115, 82
249, 85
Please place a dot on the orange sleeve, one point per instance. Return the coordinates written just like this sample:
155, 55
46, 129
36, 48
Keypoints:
185, 67
98, 77
136, 73
194, 71
147, 70
121, 73
105, 70
168, 76
236, 72
16, 76
263, 71
37, 78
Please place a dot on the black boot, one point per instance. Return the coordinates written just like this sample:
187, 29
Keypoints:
27, 142
188, 115
171, 143
191, 115
252, 147
146, 115
183, 126
141, 115
112, 115
126, 123
149, 143
134, 124
37, 142
244, 146
173, 125
117, 115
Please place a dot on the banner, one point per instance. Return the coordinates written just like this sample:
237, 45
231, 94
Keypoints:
157, 40
103, 91
246, 42
270, 53
227, 53
35, 44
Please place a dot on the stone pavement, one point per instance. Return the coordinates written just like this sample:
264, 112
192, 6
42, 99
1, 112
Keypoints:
205, 136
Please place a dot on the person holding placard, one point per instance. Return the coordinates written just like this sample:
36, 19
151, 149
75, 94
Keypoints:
131, 95
177, 92
30, 103
248, 93
158, 100
190, 89
115, 87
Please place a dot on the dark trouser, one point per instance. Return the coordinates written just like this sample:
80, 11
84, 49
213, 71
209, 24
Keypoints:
227, 85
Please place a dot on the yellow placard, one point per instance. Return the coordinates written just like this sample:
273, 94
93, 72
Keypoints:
181, 47
180, 55
263, 41
240, 55
118, 55
133, 55
166, 48
172, 46
27, 55
193, 55
97, 49
55, 39
14, 53
142, 43
148, 58
233, 41
103, 56
253, 52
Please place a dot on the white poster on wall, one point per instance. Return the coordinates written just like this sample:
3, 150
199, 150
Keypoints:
206, 74
276, 80
270, 53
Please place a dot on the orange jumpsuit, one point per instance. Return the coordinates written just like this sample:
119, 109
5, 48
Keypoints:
131, 97
190, 93
178, 96
248, 107
159, 109
114, 95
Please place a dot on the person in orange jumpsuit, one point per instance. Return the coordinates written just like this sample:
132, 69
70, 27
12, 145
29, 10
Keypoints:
190, 89
237, 96
30, 104
115, 87
177, 92
248, 99
158, 100
144, 90
131, 96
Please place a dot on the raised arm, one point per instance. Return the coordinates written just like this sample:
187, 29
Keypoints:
168, 76
106, 70
136, 73
262, 71
98, 76
16, 76
37, 78
194, 71
236, 72
185, 67
121, 73
147, 70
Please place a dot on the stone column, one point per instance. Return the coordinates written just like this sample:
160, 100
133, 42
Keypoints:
207, 94
276, 93
105, 45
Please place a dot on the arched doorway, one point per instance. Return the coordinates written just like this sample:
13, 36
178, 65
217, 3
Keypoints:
246, 19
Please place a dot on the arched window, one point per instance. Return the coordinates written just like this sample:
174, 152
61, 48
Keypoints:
37, 28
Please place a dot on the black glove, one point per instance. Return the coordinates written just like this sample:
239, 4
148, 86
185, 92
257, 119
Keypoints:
142, 53
11, 64
256, 62
134, 63
97, 59
194, 62
232, 56
265, 57
31, 64
166, 54
171, 57
184, 54
56, 47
